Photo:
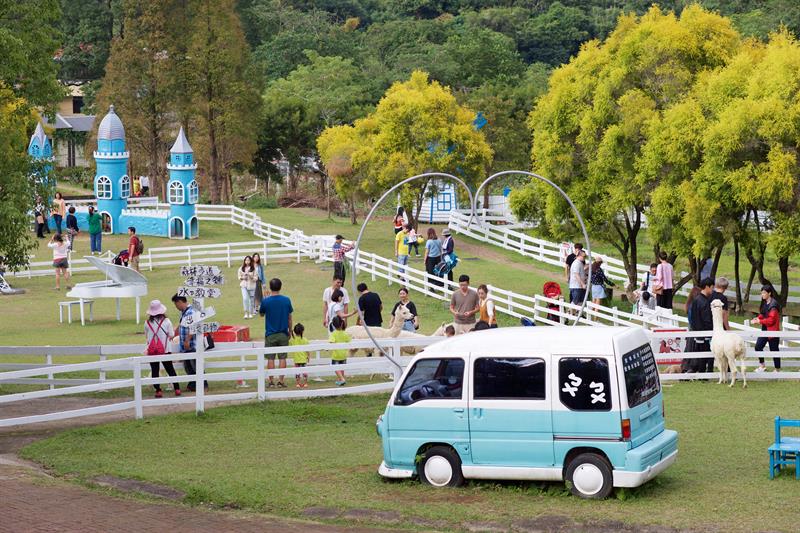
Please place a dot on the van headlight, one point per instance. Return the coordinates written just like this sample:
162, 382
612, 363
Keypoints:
378, 423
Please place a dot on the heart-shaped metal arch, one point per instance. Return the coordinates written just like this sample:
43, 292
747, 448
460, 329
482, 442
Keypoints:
569, 201
357, 244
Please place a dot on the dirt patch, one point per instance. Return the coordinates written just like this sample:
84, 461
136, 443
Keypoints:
485, 252
373, 515
132, 485
321, 513
485, 527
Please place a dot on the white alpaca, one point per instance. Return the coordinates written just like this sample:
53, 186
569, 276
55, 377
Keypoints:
401, 314
726, 346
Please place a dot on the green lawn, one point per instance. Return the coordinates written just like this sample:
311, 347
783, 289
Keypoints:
283, 457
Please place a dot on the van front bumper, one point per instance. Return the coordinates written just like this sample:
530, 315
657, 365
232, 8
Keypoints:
624, 478
394, 473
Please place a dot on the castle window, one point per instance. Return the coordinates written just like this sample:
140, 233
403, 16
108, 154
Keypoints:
103, 191
194, 192
125, 186
175, 192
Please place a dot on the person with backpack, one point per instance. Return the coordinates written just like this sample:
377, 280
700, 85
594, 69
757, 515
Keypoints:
72, 226
158, 330
95, 230
135, 249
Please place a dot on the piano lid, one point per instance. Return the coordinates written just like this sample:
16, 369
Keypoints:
118, 273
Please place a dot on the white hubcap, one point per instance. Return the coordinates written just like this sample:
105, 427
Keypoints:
588, 479
438, 471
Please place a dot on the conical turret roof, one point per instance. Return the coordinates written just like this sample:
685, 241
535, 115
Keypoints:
181, 145
39, 136
111, 127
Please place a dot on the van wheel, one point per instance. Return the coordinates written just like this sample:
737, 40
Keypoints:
441, 467
590, 476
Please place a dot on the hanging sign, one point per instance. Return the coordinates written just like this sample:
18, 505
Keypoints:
205, 327
198, 316
200, 270
199, 292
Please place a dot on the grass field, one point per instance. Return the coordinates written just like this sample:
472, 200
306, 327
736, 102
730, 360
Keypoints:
283, 457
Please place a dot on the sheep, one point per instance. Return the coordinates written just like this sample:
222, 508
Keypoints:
726, 346
401, 314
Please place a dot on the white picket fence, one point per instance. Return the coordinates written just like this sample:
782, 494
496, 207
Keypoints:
507, 235
246, 362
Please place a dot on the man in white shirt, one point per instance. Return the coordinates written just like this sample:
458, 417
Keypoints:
326, 299
144, 183
578, 276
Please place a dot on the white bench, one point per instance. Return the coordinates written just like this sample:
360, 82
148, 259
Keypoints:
68, 305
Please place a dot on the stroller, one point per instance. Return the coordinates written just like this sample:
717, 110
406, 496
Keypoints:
121, 258
448, 263
552, 290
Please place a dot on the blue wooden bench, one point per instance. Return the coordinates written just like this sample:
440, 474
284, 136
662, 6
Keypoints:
786, 450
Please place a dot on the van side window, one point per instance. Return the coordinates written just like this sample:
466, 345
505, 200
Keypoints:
512, 378
432, 379
584, 384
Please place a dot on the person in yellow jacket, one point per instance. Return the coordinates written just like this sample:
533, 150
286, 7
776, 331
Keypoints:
487, 313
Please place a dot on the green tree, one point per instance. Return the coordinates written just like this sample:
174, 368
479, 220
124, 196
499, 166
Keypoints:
28, 42
417, 127
336, 146
590, 127
88, 28
224, 95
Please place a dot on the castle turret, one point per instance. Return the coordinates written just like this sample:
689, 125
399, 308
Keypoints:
112, 185
40, 148
182, 190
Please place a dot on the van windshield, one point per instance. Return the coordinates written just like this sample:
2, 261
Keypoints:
641, 375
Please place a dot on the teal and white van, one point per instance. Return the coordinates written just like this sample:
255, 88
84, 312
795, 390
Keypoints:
580, 404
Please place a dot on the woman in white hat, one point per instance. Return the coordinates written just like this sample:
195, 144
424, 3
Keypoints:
159, 330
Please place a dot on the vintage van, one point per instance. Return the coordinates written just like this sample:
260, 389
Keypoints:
581, 404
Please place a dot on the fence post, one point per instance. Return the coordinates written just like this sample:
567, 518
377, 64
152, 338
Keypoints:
103, 358
137, 388
150, 259
535, 305
228, 249
297, 244
49, 361
261, 379
200, 387
189, 254
242, 383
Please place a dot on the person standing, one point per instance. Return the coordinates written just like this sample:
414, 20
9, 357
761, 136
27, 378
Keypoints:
72, 227
335, 308
371, 306
95, 230
412, 324
260, 283
720, 286
702, 320
663, 284
137, 187
413, 241
599, 281
433, 256
577, 247
300, 358
339, 250
648, 287
769, 318
448, 250
487, 313
277, 312
464, 305
144, 182
60, 259
40, 216
339, 357
133, 249
187, 339
577, 279
399, 220
402, 248
247, 282
158, 331
59, 210
336, 284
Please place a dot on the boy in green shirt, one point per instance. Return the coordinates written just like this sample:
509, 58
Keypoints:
300, 358
339, 357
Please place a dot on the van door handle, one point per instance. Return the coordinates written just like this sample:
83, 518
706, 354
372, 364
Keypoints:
458, 410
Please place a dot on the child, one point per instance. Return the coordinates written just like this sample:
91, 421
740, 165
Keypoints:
339, 357
72, 226
450, 331
300, 358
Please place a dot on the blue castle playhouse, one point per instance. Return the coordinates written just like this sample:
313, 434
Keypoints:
40, 148
112, 186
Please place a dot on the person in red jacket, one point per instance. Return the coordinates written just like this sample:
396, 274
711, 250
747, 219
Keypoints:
770, 319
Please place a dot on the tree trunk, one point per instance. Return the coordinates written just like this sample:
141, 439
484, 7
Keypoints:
737, 276
351, 205
681, 282
717, 255
486, 197
783, 265
749, 283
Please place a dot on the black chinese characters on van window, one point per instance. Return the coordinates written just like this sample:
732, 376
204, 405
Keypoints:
641, 375
512, 378
432, 379
584, 384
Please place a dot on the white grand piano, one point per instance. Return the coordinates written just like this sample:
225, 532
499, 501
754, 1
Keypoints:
120, 282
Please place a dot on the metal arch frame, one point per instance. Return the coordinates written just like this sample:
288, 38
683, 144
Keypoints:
357, 244
569, 201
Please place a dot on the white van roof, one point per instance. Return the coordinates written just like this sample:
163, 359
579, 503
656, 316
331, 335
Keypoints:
578, 340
